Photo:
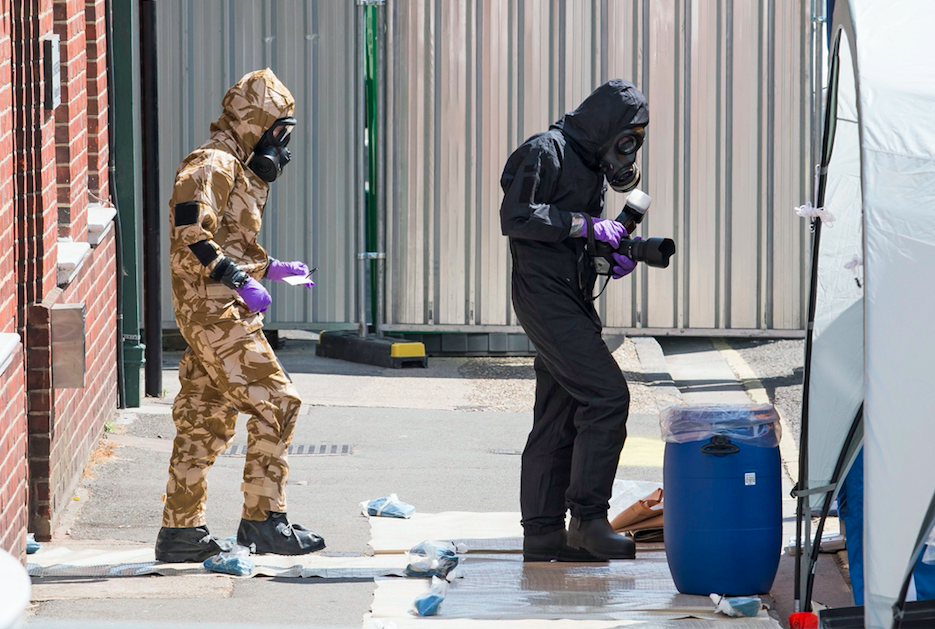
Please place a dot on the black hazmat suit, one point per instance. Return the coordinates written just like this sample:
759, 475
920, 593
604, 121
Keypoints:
582, 399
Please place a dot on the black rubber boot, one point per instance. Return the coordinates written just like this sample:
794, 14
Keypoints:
600, 539
553, 547
188, 545
277, 536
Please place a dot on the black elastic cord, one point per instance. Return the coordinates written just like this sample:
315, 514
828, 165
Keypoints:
603, 288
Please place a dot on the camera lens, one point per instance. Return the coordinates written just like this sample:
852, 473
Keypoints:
652, 251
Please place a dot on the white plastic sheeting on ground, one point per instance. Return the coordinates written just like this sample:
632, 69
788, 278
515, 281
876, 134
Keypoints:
894, 48
87, 560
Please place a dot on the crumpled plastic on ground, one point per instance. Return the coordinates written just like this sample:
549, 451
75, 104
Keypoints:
32, 546
751, 424
387, 507
236, 562
737, 606
434, 559
428, 603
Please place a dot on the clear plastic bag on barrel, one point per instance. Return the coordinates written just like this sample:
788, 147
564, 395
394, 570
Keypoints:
750, 424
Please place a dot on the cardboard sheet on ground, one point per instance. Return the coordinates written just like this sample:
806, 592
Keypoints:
627, 492
60, 561
646, 513
481, 532
501, 589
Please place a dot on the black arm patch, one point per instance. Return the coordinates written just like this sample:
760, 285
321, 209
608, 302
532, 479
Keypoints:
204, 252
525, 193
186, 213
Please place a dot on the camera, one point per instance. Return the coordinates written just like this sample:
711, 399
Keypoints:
655, 252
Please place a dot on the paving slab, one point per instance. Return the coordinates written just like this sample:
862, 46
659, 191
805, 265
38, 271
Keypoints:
701, 373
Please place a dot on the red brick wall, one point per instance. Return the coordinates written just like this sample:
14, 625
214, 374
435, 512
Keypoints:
13, 499
58, 158
98, 153
34, 151
13, 486
80, 414
71, 121
7, 189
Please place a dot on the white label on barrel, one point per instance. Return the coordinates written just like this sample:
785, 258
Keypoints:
749, 478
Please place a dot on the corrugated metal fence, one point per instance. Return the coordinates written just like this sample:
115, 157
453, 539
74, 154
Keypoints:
727, 154
205, 46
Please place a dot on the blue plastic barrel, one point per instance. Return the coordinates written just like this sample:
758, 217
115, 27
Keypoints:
723, 500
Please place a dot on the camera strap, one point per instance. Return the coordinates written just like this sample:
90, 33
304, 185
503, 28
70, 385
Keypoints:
592, 248
589, 224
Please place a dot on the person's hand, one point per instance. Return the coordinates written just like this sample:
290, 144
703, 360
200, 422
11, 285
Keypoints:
278, 271
255, 296
624, 265
609, 231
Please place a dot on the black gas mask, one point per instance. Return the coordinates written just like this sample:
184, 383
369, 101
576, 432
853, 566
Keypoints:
270, 154
618, 159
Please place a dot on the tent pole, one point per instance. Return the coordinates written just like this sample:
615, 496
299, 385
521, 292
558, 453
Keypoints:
826, 507
803, 503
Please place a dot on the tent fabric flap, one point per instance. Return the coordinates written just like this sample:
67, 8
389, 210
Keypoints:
896, 92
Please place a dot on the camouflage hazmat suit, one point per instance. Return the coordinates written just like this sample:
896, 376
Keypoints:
216, 210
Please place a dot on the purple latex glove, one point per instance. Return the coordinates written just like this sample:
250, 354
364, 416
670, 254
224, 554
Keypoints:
623, 267
609, 231
278, 271
255, 296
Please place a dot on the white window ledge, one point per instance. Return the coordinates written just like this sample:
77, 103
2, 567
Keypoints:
9, 343
71, 255
100, 220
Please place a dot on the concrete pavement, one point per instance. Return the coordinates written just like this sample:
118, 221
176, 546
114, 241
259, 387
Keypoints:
424, 434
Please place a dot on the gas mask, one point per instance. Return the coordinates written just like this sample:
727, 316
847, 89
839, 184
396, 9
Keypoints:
618, 159
270, 154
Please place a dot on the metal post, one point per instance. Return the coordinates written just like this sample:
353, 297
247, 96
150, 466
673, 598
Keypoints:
380, 175
362, 260
125, 148
118, 225
152, 296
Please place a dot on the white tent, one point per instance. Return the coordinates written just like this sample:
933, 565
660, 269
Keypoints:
888, 47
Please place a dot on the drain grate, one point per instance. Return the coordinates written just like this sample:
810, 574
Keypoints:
303, 450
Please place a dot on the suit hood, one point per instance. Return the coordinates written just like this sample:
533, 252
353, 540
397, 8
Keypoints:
611, 108
251, 106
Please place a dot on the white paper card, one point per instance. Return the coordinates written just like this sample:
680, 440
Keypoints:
296, 280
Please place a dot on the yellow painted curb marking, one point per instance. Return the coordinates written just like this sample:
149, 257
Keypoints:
643, 452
